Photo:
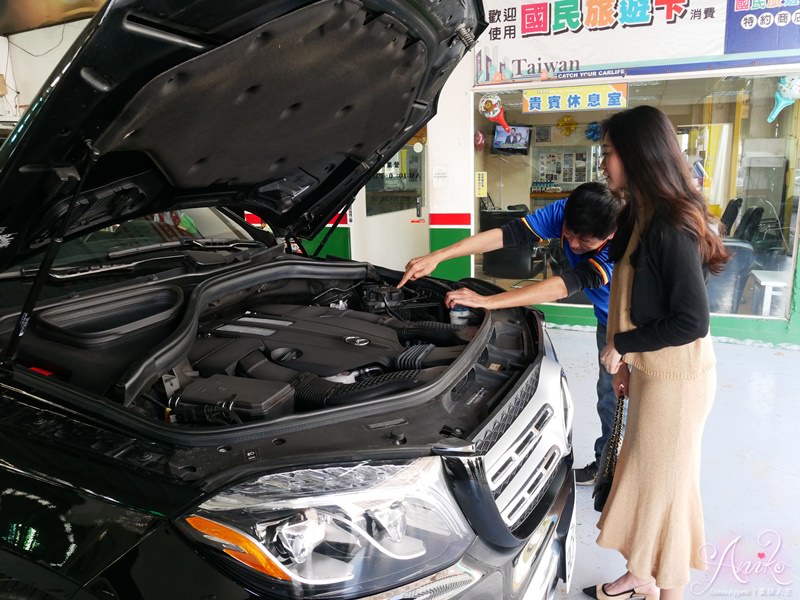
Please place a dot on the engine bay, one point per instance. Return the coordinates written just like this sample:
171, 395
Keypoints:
277, 359
224, 354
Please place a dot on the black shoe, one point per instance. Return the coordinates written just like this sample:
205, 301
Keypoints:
587, 474
598, 592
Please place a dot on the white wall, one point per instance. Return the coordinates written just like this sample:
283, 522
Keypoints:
391, 239
28, 58
450, 175
388, 239
451, 153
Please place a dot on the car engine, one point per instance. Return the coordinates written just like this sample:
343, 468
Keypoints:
232, 350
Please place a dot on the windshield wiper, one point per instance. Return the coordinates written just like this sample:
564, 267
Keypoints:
77, 271
72, 272
204, 243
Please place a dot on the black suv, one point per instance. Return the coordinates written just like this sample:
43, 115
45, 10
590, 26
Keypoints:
195, 408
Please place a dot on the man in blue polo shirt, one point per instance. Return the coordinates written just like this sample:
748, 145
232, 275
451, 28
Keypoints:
584, 223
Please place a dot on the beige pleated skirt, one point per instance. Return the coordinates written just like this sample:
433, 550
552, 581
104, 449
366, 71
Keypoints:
653, 515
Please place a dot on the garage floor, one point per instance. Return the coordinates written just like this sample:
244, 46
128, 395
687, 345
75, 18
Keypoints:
750, 472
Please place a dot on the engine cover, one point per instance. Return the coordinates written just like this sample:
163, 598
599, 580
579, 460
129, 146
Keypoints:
314, 339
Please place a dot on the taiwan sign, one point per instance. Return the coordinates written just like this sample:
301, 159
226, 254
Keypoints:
588, 39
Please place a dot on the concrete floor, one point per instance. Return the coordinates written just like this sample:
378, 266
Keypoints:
750, 472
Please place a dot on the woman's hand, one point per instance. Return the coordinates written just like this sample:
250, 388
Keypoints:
420, 266
620, 381
610, 358
465, 297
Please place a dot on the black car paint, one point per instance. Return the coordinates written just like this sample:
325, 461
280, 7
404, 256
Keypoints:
145, 557
131, 480
85, 112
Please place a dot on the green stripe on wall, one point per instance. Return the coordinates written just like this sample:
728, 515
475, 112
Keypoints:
772, 331
454, 269
338, 245
561, 314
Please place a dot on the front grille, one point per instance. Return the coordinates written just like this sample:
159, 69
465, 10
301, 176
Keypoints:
501, 474
533, 489
524, 444
503, 420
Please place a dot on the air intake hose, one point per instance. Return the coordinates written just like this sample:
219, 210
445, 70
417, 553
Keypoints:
431, 332
312, 392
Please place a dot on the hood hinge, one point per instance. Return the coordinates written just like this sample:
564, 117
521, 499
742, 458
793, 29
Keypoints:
65, 178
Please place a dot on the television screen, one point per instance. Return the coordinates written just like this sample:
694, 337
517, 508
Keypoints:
515, 141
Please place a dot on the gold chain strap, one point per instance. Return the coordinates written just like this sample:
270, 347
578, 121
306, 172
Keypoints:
616, 437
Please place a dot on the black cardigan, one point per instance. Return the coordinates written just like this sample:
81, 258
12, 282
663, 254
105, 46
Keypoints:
669, 302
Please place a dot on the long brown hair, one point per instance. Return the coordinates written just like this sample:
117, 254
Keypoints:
658, 176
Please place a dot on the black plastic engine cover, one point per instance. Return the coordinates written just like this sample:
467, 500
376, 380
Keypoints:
319, 340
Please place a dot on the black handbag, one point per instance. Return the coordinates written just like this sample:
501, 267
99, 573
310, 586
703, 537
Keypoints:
608, 459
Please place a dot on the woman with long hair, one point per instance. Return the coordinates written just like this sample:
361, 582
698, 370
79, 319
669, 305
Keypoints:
660, 354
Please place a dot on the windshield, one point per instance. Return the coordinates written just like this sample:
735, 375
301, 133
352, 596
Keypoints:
150, 230
145, 244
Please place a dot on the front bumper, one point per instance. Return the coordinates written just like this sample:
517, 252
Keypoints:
166, 566
529, 572
532, 571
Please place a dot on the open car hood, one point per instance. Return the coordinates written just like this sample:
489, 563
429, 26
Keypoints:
281, 108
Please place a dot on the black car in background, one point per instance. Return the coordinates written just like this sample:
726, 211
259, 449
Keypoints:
189, 410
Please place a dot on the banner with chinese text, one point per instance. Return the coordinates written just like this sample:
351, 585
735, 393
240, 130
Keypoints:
542, 40
583, 97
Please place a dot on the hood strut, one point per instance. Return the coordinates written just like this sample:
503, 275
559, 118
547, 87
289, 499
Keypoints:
67, 177
338, 220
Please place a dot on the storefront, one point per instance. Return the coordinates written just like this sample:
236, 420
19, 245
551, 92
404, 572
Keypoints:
726, 74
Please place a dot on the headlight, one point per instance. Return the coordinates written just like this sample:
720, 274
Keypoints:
338, 531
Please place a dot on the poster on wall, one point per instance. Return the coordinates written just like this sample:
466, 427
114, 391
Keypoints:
580, 166
542, 40
568, 168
